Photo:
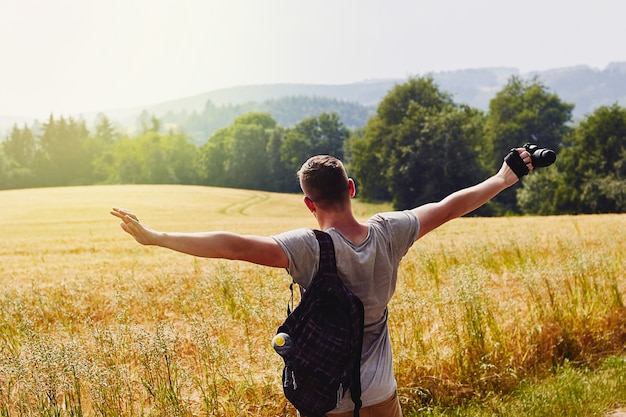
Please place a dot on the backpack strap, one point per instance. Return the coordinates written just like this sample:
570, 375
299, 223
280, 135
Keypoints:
355, 390
290, 303
328, 264
327, 252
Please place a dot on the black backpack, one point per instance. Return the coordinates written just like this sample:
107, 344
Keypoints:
321, 341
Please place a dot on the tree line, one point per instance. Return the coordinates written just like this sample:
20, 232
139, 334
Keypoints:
418, 147
287, 111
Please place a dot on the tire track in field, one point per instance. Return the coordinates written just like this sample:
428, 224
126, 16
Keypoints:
240, 207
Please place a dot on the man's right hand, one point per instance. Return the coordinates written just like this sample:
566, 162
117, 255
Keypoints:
131, 225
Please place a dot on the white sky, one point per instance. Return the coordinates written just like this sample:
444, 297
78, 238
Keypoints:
80, 56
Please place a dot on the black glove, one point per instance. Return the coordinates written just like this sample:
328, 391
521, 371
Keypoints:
516, 163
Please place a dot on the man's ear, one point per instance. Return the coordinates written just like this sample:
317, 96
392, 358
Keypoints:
309, 204
352, 187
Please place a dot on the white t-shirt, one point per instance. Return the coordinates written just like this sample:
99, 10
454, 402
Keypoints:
370, 271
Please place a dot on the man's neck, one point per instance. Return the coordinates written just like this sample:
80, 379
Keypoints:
345, 223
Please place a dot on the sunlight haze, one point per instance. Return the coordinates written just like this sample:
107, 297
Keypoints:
81, 56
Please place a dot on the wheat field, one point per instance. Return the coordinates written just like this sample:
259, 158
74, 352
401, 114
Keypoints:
93, 324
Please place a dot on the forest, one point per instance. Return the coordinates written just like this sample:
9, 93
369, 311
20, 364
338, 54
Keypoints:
417, 146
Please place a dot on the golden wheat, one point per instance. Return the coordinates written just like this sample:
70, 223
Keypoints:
92, 323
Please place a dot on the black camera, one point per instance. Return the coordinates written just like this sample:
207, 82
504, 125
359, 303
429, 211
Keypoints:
541, 157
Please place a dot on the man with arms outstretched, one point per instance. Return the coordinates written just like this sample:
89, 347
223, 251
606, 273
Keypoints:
367, 253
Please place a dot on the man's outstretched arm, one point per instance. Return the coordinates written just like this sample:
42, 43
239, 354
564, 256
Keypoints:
459, 203
261, 250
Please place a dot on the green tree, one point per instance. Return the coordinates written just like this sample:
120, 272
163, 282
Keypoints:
20, 145
521, 110
373, 153
99, 145
237, 155
176, 154
61, 157
438, 156
248, 164
125, 162
282, 178
364, 161
148, 122
524, 108
105, 131
541, 192
321, 135
153, 158
294, 150
214, 155
419, 147
5, 174
594, 162
589, 175
19, 150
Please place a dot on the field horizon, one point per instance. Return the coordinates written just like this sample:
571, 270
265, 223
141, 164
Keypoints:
91, 323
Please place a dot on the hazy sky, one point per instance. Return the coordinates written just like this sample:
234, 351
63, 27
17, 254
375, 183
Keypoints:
79, 56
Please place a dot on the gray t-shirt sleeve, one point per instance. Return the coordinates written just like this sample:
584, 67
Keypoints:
302, 250
401, 228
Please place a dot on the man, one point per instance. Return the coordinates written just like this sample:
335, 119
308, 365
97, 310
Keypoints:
368, 255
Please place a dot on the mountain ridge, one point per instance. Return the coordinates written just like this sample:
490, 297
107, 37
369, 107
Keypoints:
586, 87
471, 86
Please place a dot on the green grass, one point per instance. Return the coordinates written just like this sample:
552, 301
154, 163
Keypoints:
569, 391
498, 316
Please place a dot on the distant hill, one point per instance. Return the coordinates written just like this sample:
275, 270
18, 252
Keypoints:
582, 85
287, 103
587, 88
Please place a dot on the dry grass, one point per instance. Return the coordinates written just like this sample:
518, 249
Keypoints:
491, 301
93, 324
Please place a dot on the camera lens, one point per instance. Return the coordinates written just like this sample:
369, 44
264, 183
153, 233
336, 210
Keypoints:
543, 157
